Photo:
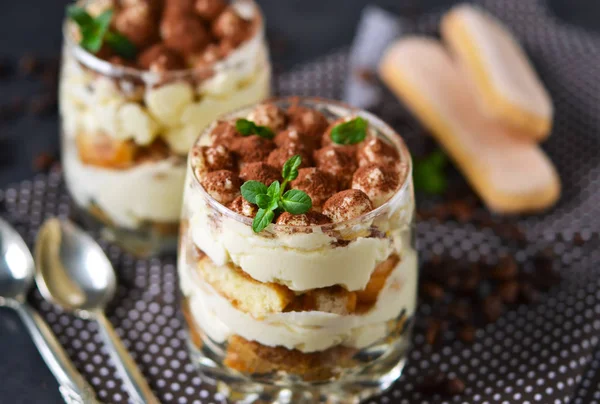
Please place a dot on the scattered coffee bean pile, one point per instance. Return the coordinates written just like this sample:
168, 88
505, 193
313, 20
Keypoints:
44, 101
43, 72
465, 296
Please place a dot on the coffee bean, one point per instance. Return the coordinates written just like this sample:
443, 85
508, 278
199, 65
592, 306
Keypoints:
453, 281
366, 75
433, 330
29, 65
467, 334
527, 293
439, 383
469, 281
43, 162
440, 212
510, 232
461, 210
505, 270
544, 275
461, 311
453, 386
433, 291
509, 291
42, 104
433, 383
492, 308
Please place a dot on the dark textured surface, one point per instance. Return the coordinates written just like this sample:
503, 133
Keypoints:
302, 29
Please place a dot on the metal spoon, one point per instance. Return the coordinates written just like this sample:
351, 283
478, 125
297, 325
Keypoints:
16, 278
74, 273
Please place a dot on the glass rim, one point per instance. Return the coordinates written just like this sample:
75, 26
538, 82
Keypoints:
109, 69
390, 134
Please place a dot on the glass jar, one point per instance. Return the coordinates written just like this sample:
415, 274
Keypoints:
126, 132
283, 353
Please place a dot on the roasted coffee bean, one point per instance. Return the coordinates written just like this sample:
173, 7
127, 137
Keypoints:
432, 291
505, 270
433, 331
366, 75
29, 65
43, 162
470, 280
467, 334
440, 212
492, 308
544, 275
433, 382
527, 293
42, 104
460, 311
453, 386
510, 232
50, 80
509, 291
461, 210
578, 239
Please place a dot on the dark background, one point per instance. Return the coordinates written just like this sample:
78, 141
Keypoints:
298, 30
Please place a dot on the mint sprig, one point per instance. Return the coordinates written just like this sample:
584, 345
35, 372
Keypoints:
96, 31
273, 199
351, 132
247, 128
429, 173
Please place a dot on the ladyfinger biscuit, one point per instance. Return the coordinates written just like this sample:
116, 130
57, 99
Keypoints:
510, 173
505, 84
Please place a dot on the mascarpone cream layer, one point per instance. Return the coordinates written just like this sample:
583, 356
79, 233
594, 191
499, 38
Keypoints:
305, 331
147, 192
301, 261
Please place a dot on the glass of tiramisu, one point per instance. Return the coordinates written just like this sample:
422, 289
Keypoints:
140, 80
296, 260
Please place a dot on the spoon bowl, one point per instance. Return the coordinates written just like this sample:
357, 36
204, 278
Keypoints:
16, 266
73, 271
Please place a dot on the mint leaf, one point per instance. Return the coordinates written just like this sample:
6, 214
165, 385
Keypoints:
93, 35
95, 32
79, 15
274, 190
262, 219
250, 189
351, 132
429, 174
296, 202
244, 126
437, 158
120, 44
247, 128
290, 168
263, 201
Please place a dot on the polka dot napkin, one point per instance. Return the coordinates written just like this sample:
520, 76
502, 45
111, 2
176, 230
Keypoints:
545, 352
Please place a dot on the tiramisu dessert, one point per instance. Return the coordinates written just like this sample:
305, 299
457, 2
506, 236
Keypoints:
296, 261
140, 80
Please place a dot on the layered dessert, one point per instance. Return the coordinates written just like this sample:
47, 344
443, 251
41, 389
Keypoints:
296, 258
140, 80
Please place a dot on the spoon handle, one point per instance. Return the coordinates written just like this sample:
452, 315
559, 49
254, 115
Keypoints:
139, 390
72, 386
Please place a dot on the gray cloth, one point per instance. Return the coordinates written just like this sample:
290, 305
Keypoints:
376, 30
